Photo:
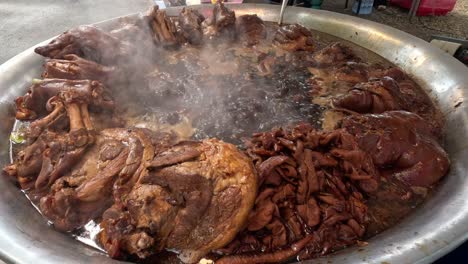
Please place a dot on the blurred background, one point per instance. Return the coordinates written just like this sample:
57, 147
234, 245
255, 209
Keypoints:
24, 23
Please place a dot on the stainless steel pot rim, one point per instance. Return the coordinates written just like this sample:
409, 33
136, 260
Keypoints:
434, 229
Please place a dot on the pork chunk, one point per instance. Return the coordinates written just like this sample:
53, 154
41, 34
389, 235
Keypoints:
195, 198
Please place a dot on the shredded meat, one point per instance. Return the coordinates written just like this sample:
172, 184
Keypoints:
312, 193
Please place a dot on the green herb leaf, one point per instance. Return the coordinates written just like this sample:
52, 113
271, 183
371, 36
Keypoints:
17, 138
36, 81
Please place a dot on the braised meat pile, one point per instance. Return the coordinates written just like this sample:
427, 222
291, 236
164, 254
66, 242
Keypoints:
151, 192
195, 198
106, 173
251, 29
225, 138
312, 193
87, 42
314, 185
293, 38
402, 144
190, 26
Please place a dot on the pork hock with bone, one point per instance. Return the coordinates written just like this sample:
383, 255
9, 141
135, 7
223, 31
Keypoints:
194, 198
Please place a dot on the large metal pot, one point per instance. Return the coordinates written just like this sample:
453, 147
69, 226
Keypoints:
431, 231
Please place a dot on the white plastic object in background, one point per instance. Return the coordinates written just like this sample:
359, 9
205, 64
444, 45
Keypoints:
160, 4
192, 2
447, 46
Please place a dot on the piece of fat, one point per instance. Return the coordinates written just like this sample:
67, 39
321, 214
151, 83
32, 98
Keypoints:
205, 261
